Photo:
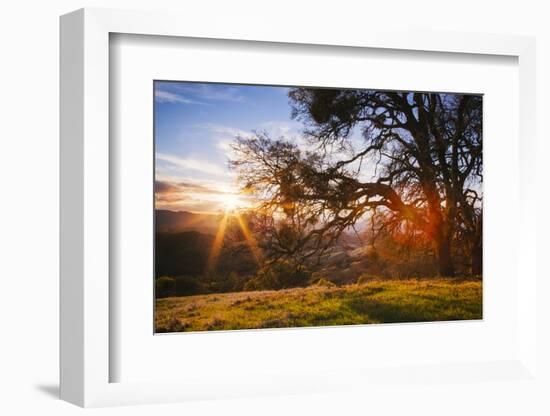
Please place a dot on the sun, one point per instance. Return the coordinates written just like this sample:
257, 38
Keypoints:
231, 202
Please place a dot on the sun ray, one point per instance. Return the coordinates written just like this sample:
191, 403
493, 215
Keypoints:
217, 245
249, 238
231, 202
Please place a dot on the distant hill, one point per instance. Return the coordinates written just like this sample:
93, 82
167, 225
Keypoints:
179, 221
187, 253
183, 253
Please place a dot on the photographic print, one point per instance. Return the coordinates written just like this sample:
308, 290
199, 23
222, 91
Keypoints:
280, 207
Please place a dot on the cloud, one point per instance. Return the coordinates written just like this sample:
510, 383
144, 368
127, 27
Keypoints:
192, 164
189, 195
222, 131
211, 92
169, 97
221, 93
278, 129
210, 207
162, 187
224, 144
224, 136
200, 92
218, 183
166, 187
274, 129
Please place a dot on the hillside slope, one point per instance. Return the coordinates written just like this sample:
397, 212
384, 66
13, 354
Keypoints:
178, 221
377, 301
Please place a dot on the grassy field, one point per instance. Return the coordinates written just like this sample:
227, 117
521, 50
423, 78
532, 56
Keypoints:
377, 301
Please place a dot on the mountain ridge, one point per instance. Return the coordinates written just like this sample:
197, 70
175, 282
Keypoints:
167, 221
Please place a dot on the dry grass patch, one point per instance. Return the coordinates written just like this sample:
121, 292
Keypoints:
375, 301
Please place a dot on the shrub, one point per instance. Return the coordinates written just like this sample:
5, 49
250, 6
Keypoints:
187, 285
324, 283
216, 282
281, 274
178, 286
365, 278
252, 284
164, 286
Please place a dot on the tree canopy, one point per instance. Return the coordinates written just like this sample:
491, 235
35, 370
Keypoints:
408, 162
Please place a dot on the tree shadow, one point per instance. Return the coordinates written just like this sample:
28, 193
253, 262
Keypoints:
389, 313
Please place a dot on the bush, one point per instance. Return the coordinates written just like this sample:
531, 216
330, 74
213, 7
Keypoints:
324, 283
252, 284
365, 278
187, 285
222, 283
280, 274
164, 286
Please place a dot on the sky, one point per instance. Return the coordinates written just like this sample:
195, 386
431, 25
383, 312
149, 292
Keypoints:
194, 125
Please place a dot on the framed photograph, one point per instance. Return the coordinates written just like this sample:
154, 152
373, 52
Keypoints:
329, 210
281, 207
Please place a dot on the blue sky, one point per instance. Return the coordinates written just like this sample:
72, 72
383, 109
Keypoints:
194, 124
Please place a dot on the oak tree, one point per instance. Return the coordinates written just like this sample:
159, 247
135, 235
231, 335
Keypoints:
425, 148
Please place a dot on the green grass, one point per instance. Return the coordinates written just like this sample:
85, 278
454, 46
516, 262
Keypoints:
377, 301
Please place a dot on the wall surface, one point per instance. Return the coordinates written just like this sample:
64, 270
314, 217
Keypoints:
29, 182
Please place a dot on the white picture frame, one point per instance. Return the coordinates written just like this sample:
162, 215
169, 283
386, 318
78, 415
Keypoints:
85, 221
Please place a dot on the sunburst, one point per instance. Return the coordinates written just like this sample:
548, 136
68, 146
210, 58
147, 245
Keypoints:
231, 210
231, 202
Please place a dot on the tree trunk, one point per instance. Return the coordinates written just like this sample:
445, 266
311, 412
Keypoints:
476, 253
444, 257
477, 259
